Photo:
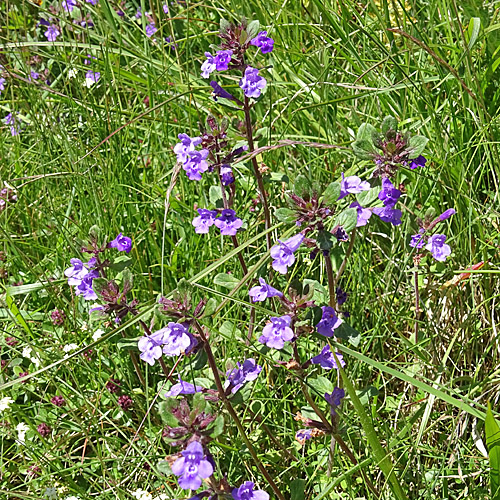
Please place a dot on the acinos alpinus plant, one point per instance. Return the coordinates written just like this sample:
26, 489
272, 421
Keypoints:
323, 220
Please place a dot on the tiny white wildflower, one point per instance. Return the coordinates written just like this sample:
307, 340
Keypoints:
50, 493
5, 403
142, 495
70, 347
26, 352
72, 497
21, 429
72, 72
97, 334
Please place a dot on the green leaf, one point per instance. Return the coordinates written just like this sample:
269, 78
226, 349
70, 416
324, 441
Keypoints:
253, 29
298, 489
184, 291
210, 307
226, 280
473, 30
347, 332
127, 279
363, 145
389, 123
217, 427
302, 187
365, 198
492, 431
164, 467
98, 285
321, 385
320, 293
165, 410
121, 262
224, 25
331, 193
285, 215
416, 145
215, 196
348, 219
325, 240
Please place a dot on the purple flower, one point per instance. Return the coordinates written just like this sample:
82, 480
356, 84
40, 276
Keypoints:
277, 332
246, 492
447, 214
182, 388
92, 2
76, 272
84, 288
352, 185
437, 246
340, 233
151, 347
196, 164
203, 222
341, 296
2, 84
252, 84
226, 174
176, 339
138, 14
263, 292
243, 373
228, 223
283, 254
192, 467
34, 75
263, 42
329, 322
389, 194
10, 119
303, 435
92, 77
417, 240
335, 398
220, 92
121, 243
222, 59
52, 33
208, 66
326, 359
151, 29
165, 8
69, 5
388, 214
418, 162
186, 146
363, 214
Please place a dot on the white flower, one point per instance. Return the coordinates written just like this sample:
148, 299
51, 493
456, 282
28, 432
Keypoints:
72, 73
27, 352
97, 334
162, 496
70, 347
5, 403
50, 493
72, 497
21, 429
142, 495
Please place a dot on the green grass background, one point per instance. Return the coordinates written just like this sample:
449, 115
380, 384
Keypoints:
335, 65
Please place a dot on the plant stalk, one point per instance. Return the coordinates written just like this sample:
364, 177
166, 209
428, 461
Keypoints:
229, 407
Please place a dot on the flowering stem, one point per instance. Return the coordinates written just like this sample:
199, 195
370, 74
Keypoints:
383, 459
232, 412
258, 175
314, 406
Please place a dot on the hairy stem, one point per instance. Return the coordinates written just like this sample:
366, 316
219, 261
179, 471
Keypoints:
258, 175
347, 255
417, 304
331, 280
229, 407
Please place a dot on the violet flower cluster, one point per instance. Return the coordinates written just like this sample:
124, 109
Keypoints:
226, 221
